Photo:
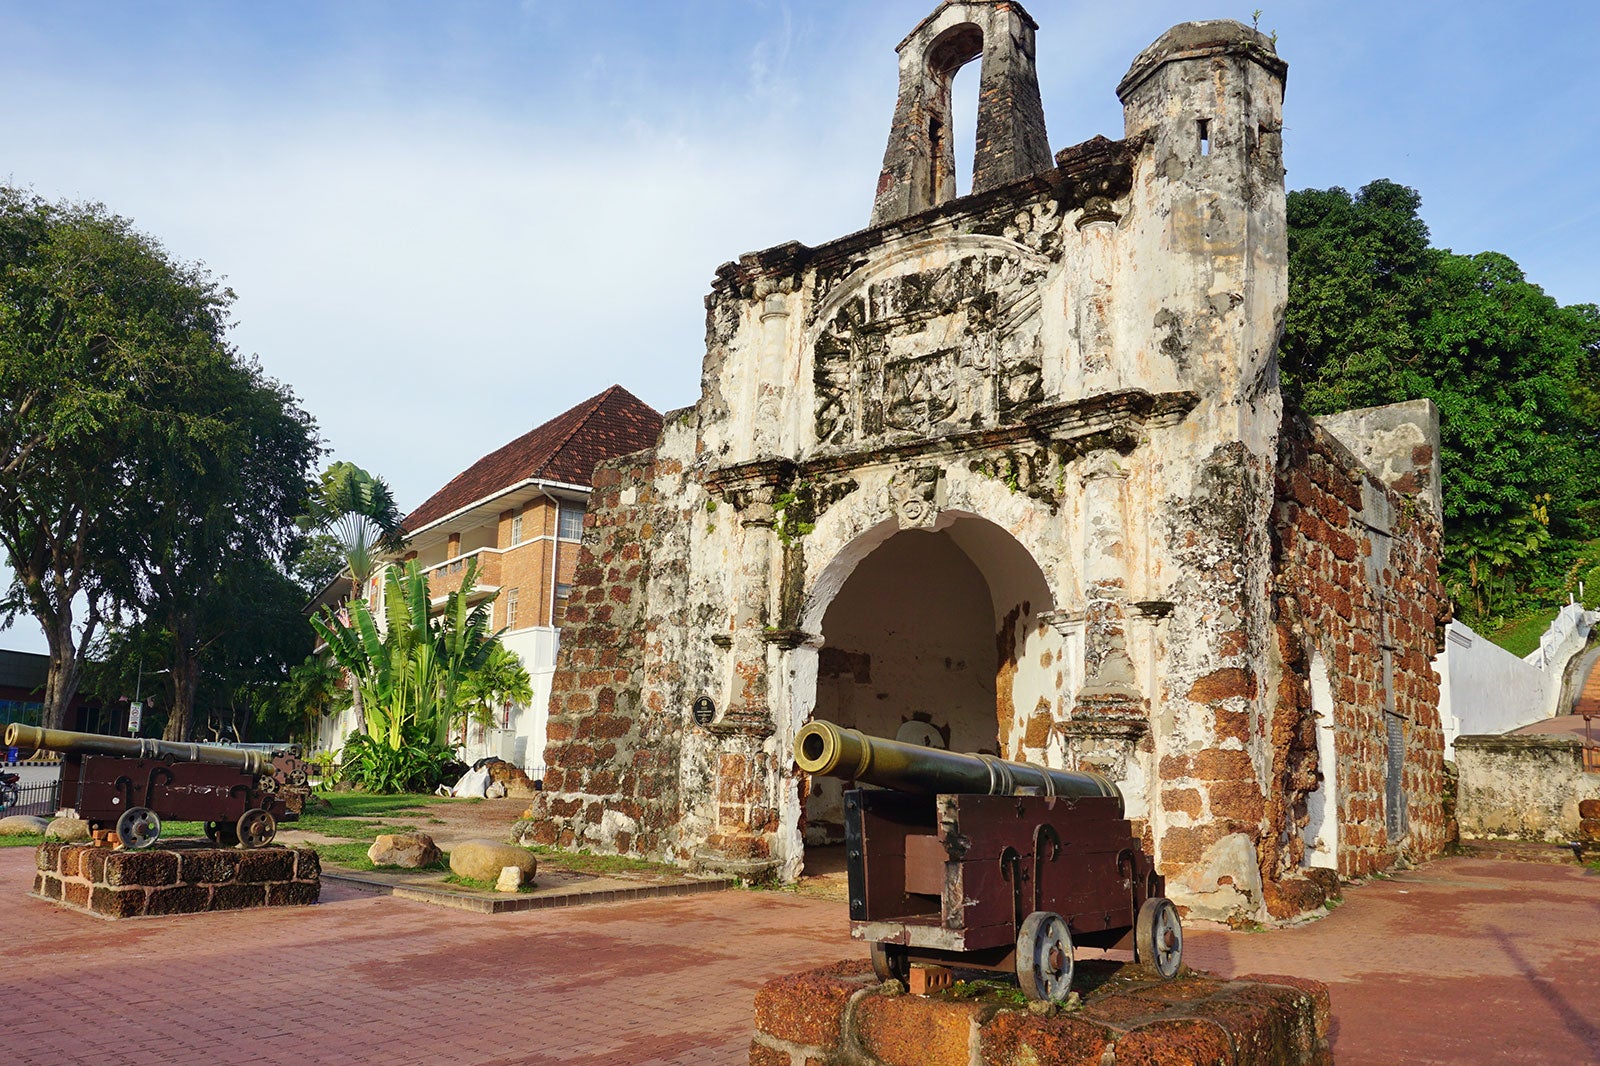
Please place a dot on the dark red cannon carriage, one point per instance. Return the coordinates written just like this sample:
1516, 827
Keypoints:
974, 862
131, 784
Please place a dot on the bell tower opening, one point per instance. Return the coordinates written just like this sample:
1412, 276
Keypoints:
1009, 142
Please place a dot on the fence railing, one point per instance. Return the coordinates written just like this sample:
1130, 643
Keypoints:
43, 800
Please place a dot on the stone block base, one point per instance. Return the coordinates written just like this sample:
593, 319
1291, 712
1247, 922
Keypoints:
840, 1016
178, 880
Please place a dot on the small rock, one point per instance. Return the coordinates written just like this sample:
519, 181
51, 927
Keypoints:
21, 825
482, 860
510, 879
495, 791
67, 829
410, 850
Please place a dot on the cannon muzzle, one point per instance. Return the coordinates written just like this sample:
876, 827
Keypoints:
825, 748
32, 738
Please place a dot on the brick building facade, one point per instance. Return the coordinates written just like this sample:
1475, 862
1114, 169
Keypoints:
1011, 472
517, 514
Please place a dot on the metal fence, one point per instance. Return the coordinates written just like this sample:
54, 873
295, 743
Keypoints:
43, 800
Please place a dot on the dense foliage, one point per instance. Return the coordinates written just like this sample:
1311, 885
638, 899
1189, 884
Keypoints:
149, 475
1377, 315
418, 676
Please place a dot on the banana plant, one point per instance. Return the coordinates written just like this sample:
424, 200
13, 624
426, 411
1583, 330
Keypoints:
411, 673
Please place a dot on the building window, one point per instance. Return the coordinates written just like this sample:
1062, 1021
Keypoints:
516, 529
569, 523
511, 609
559, 611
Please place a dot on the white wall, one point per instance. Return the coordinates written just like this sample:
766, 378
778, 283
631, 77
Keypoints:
1484, 689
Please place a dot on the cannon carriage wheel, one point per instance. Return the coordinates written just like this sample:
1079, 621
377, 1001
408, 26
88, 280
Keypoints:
222, 834
1158, 937
1044, 957
890, 962
256, 828
139, 827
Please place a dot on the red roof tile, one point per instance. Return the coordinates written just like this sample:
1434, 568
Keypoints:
566, 448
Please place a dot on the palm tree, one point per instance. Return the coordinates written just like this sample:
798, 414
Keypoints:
358, 510
500, 680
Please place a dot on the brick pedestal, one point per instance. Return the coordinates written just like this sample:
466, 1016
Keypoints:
839, 1016
178, 880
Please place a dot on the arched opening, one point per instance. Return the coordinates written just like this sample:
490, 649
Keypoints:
951, 53
931, 637
1321, 833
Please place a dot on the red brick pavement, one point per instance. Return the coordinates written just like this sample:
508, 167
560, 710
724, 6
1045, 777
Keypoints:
1466, 961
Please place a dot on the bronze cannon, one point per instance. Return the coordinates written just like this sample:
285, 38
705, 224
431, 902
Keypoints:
131, 784
975, 862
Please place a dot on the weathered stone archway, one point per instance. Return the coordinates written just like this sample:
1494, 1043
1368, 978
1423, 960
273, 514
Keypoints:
928, 634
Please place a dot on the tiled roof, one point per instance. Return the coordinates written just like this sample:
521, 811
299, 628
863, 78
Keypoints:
566, 448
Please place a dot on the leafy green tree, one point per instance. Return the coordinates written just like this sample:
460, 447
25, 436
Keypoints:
100, 329
207, 539
1376, 315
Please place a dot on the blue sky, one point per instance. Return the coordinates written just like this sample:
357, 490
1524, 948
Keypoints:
447, 222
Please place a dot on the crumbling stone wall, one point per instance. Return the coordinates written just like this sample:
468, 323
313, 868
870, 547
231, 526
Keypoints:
1527, 787
613, 750
1356, 584
1071, 379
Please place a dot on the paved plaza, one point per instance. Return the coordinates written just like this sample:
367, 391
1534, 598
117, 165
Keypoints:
1463, 961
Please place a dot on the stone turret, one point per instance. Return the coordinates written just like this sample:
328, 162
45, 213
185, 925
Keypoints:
919, 164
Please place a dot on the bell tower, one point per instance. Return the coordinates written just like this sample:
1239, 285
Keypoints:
919, 164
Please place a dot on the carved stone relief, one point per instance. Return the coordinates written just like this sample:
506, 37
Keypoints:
931, 352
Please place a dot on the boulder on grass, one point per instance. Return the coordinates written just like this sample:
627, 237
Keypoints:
21, 825
482, 860
69, 830
410, 850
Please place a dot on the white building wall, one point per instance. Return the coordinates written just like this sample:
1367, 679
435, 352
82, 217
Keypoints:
1484, 689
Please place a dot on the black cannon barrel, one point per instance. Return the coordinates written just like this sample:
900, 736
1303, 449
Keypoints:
32, 738
824, 748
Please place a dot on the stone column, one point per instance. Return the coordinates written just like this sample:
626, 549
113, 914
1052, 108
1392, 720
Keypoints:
1092, 298
1110, 715
767, 430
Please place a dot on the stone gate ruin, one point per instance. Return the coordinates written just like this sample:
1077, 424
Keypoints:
1011, 472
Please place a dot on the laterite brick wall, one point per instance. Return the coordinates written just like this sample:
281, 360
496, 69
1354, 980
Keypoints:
612, 776
1357, 586
136, 884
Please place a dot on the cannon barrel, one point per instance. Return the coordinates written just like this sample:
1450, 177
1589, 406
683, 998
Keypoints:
32, 738
825, 748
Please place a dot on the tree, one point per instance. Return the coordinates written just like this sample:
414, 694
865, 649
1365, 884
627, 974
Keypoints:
358, 511
1376, 315
205, 540
99, 328
501, 680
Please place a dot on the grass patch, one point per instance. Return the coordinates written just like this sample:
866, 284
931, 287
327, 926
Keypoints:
995, 991
22, 840
480, 885
349, 828
353, 856
584, 862
1521, 636
367, 805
